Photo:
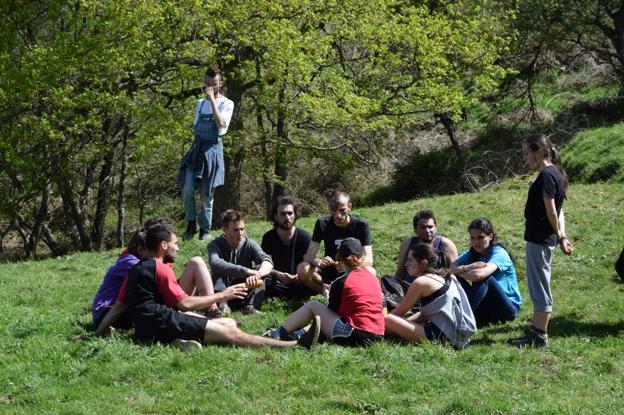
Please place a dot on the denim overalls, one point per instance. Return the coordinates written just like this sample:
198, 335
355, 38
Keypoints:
202, 169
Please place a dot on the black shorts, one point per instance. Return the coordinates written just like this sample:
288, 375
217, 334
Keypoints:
170, 326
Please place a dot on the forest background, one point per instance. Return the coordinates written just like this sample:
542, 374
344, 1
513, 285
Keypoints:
390, 100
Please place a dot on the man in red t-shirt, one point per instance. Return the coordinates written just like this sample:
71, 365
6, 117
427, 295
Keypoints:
161, 311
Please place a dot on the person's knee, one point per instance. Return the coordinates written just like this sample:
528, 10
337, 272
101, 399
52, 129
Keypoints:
302, 271
371, 270
197, 261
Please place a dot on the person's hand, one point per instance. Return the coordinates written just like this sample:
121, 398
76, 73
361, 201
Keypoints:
253, 277
327, 262
477, 265
237, 291
566, 246
209, 91
286, 278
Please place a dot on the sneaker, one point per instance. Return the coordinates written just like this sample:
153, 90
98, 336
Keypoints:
225, 310
187, 345
191, 229
250, 310
308, 341
271, 333
213, 313
204, 235
530, 338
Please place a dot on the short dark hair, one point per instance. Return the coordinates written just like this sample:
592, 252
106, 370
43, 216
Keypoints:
423, 214
212, 72
483, 224
334, 196
158, 233
137, 241
284, 201
158, 220
230, 216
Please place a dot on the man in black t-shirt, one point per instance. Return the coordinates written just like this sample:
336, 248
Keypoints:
332, 229
286, 244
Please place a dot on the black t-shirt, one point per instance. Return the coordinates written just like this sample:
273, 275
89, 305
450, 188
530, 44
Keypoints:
549, 183
286, 257
327, 231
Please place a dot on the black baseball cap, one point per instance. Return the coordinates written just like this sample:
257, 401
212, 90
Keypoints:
350, 246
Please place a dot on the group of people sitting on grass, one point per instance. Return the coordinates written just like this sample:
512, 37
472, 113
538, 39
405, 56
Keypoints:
442, 296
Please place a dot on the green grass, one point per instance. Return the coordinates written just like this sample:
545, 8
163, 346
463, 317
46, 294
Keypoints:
44, 304
596, 155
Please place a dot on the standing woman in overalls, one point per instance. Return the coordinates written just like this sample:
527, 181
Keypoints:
202, 166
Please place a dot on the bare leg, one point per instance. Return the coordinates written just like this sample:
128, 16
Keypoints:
217, 333
304, 314
540, 319
309, 277
406, 330
195, 278
371, 270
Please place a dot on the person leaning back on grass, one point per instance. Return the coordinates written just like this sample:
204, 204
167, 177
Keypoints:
161, 311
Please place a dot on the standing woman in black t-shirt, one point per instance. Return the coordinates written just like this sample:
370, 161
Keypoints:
544, 229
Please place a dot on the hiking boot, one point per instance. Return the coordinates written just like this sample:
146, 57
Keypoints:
531, 338
308, 341
203, 235
250, 310
191, 229
187, 345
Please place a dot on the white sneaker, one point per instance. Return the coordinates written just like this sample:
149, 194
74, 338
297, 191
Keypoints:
187, 345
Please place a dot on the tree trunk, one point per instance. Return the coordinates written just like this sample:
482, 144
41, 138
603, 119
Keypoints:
74, 211
121, 189
103, 199
449, 125
39, 219
281, 165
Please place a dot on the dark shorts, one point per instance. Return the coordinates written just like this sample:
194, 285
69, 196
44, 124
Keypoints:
123, 321
433, 333
357, 338
174, 325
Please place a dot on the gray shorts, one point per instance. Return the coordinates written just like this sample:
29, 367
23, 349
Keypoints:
538, 259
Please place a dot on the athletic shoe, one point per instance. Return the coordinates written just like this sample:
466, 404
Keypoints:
309, 340
213, 313
531, 338
225, 310
271, 333
187, 345
250, 310
203, 235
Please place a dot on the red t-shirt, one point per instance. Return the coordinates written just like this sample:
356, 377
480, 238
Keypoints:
166, 285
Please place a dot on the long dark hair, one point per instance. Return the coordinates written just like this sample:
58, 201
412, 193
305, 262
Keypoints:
538, 142
426, 251
485, 225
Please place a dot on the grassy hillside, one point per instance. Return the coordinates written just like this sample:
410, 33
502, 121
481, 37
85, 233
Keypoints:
45, 369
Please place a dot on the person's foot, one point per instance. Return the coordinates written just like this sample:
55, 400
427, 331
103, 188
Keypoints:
531, 338
225, 310
250, 310
187, 345
204, 235
308, 341
191, 229
213, 313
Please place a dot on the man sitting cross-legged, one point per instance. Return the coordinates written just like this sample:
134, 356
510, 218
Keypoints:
286, 244
318, 273
232, 257
157, 304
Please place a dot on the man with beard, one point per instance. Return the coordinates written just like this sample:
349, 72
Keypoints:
395, 286
425, 228
332, 229
232, 257
286, 244
159, 308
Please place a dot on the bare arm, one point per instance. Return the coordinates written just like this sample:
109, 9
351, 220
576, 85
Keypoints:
110, 318
368, 256
413, 294
191, 302
557, 222
400, 272
310, 255
450, 248
476, 271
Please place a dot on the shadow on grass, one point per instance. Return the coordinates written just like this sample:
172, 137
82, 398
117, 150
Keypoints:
562, 326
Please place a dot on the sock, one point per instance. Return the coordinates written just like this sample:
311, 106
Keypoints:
299, 332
